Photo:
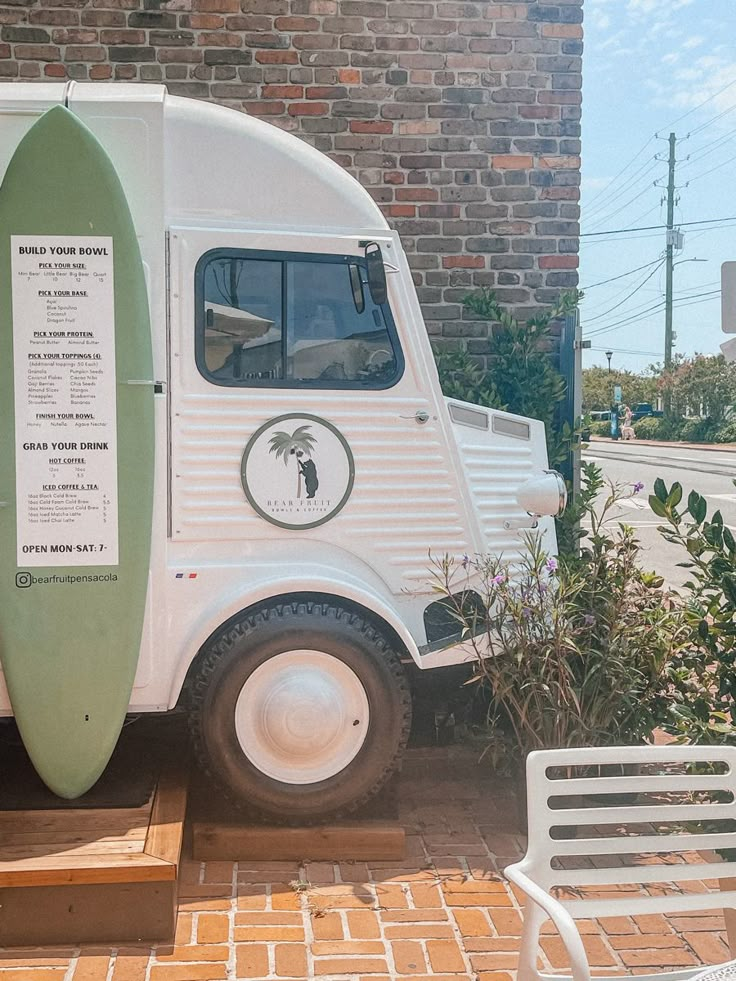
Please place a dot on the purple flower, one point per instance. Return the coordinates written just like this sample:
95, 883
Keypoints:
638, 486
551, 564
588, 620
465, 562
498, 579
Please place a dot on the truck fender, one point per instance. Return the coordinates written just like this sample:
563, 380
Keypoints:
353, 591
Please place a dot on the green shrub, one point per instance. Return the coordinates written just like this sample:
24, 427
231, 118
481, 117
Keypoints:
704, 680
727, 433
696, 430
581, 647
599, 427
651, 428
463, 378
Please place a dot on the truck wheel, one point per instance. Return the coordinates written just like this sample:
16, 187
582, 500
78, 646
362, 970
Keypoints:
301, 710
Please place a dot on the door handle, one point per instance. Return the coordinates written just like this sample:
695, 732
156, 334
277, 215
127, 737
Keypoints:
421, 416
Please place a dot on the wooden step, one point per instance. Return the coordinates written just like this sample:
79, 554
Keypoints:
105, 875
355, 841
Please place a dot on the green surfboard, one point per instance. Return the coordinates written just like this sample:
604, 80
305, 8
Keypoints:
77, 449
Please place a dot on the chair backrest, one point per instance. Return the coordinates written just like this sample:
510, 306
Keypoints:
616, 823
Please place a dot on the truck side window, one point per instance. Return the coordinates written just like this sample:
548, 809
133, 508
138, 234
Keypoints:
292, 320
242, 320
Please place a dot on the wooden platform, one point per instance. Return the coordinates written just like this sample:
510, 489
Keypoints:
356, 841
92, 874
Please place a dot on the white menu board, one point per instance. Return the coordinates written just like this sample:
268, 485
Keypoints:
66, 475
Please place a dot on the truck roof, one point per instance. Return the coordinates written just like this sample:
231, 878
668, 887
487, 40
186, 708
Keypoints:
211, 165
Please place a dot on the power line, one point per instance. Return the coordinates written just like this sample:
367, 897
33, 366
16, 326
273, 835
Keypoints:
620, 303
686, 301
636, 238
623, 207
649, 305
621, 350
700, 286
645, 213
621, 276
622, 171
631, 238
597, 209
689, 289
700, 106
630, 318
648, 228
706, 172
714, 119
714, 145
655, 309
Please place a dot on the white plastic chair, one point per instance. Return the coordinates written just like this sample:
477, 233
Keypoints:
556, 782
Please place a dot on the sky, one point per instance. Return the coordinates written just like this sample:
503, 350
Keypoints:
652, 67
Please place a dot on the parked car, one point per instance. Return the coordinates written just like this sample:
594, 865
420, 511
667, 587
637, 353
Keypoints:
643, 410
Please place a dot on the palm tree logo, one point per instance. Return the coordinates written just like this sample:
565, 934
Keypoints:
297, 444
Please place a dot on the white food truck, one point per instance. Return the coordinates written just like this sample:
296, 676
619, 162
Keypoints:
306, 462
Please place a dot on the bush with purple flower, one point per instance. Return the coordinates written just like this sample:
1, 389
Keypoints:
574, 649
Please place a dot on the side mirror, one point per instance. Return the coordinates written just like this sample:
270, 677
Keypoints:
376, 273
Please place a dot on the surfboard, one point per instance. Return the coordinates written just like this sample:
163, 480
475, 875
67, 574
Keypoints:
77, 449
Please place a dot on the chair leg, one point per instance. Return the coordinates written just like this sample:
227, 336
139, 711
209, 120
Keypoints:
534, 917
729, 915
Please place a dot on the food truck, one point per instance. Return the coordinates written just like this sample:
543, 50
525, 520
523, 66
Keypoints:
227, 457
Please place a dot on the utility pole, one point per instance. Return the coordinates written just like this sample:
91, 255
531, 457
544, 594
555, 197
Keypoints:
669, 265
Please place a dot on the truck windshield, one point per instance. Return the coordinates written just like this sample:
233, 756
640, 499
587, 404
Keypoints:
291, 320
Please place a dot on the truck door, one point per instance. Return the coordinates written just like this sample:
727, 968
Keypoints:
271, 328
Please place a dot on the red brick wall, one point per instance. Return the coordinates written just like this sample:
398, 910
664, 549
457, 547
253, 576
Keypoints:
461, 119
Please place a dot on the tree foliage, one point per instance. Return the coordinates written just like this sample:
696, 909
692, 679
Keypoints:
701, 386
598, 388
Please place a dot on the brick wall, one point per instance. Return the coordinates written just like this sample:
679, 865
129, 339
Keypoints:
461, 119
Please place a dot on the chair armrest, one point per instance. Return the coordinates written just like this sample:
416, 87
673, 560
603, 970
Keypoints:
565, 924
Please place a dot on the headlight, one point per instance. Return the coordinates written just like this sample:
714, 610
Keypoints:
544, 495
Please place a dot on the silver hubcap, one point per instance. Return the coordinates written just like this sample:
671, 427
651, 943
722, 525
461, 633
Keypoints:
302, 716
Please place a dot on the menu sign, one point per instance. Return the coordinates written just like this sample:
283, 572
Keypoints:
65, 400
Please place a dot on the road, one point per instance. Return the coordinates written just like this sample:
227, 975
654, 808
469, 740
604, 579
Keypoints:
710, 471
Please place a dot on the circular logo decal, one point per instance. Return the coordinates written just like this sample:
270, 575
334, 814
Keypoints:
297, 471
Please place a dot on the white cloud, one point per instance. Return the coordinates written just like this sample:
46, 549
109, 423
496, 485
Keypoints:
599, 20
693, 42
639, 8
707, 77
594, 183
612, 41
671, 58
709, 62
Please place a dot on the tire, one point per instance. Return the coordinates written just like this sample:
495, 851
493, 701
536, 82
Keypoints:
300, 711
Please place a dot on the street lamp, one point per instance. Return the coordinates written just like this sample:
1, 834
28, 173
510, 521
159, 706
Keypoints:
668, 314
682, 261
609, 355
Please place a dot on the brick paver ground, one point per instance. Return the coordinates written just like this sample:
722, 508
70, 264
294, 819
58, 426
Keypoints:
445, 914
